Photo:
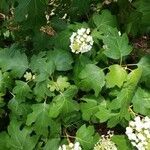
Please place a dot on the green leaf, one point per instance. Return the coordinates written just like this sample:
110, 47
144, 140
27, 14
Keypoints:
92, 77
43, 67
144, 63
63, 103
5, 81
20, 139
82, 7
141, 102
128, 89
40, 118
60, 85
122, 142
116, 45
124, 98
3, 141
22, 90
12, 59
41, 90
35, 10
52, 143
133, 23
88, 108
105, 18
18, 109
103, 114
86, 137
62, 40
117, 76
80, 63
143, 7
62, 59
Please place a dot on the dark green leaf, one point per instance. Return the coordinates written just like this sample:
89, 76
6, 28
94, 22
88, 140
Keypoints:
86, 137
20, 139
63, 103
92, 77
141, 102
116, 45
12, 59
88, 108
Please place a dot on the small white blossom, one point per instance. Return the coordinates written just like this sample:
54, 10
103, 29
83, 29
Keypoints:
81, 41
105, 47
71, 146
119, 33
138, 133
105, 143
28, 76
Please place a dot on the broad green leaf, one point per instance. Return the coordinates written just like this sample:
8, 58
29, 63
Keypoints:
80, 63
62, 40
143, 7
4, 7
64, 103
43, 67
5, 81
141, 102
22, 10
92, 77
86, 137
103, 19
12, 59
88, 108
116, 76
22, 90
62, 59
40, 118
52, 143
82, 7
113, 121
122, 142
124, 98
128, 89
144, 63
133, 23
3, 141
117, 45
18, 109
20, 139
33, 8
41, 90
103, 114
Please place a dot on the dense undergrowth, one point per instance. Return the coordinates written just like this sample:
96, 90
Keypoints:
54, 91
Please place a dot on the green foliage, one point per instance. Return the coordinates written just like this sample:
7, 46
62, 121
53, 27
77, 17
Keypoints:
117, 76
21, 139
122, 142
12, 59
92, 77
141, 101
87, 137
63, 103
89, 108
116, 45
104, 19
70, 97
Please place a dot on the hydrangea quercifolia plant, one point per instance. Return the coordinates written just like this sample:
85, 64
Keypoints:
72, 69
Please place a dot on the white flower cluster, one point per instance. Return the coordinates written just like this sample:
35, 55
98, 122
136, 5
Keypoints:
105, 143
71, 146
138, 133
81, 41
